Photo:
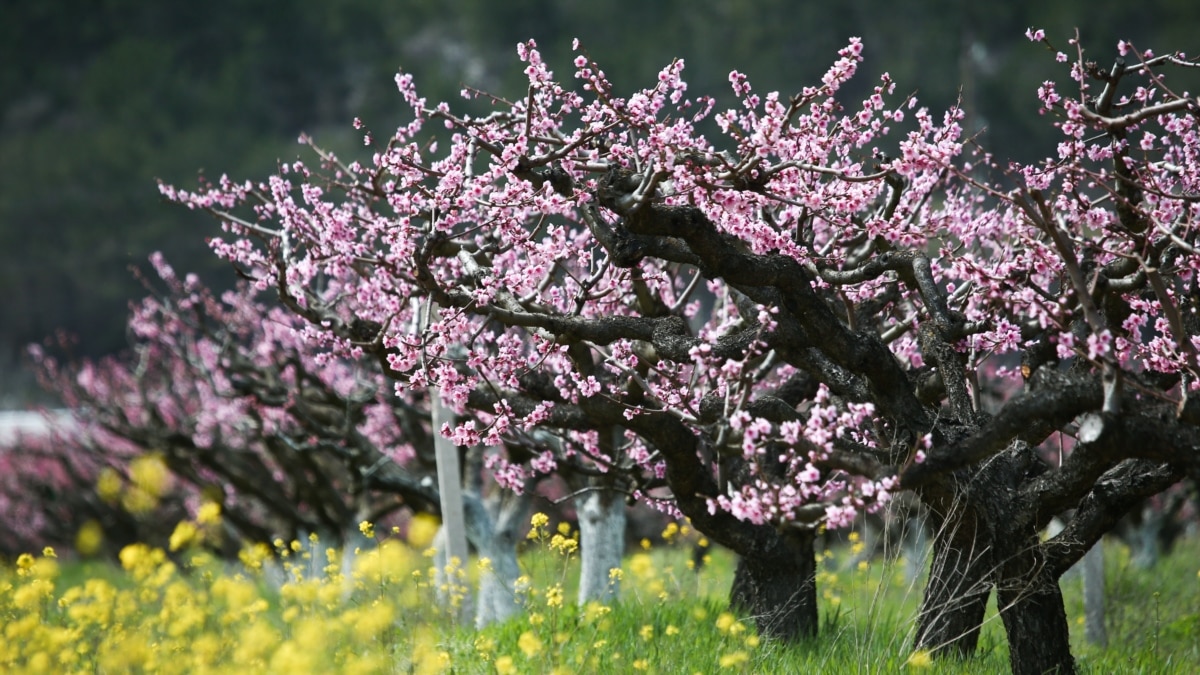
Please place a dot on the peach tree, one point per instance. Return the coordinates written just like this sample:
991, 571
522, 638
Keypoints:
771, 317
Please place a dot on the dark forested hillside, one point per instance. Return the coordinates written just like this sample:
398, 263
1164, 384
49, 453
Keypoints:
98, 99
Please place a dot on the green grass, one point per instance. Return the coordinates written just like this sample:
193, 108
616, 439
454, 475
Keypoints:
1153, 615
386, 616
868, 618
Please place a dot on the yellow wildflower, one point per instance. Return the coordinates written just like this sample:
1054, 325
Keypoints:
108, 485
89, 538
372, 620
563, 544
727, 623
920, 659
642, 566
529, 644
594, 610
185, 533
485, 646
149, 473
554, 596
138, 501
31, 594
367, 529
209, 513
539, 521
422, 529
254, 556
733, 660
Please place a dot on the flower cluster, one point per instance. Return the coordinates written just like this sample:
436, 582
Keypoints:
193, 616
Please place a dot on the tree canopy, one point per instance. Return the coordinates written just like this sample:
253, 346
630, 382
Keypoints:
100, 99
787, 308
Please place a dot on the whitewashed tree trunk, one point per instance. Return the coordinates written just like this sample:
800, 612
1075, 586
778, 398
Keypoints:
493, 527
601, 513
1144, 542
452, 545
915, 547
454, 536
497, 542
601, 542
445, 585
1093, 596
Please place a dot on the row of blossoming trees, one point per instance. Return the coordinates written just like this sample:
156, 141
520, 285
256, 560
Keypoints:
219, 402
767, 319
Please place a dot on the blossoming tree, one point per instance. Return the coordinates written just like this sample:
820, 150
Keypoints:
771, 317
49, 495
273, 434
287, 440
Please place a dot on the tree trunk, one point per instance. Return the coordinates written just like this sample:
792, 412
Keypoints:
602, 542
492, 529
1036, 624
1145, 540
449, 478
494, 537
453, 594
957, 591
778, 588
1093, 596
914, 548
1031, 605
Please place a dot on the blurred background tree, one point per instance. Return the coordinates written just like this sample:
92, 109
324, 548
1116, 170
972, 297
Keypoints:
100, 98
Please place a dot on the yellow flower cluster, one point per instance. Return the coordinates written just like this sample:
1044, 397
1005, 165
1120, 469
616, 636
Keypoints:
280, 614
539, 521
298, 606
564, 545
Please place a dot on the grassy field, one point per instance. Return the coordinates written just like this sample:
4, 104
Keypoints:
189, 613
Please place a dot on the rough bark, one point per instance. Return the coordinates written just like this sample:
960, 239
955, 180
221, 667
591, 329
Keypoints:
958, 588
778, 587
1031, 606
602, 542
